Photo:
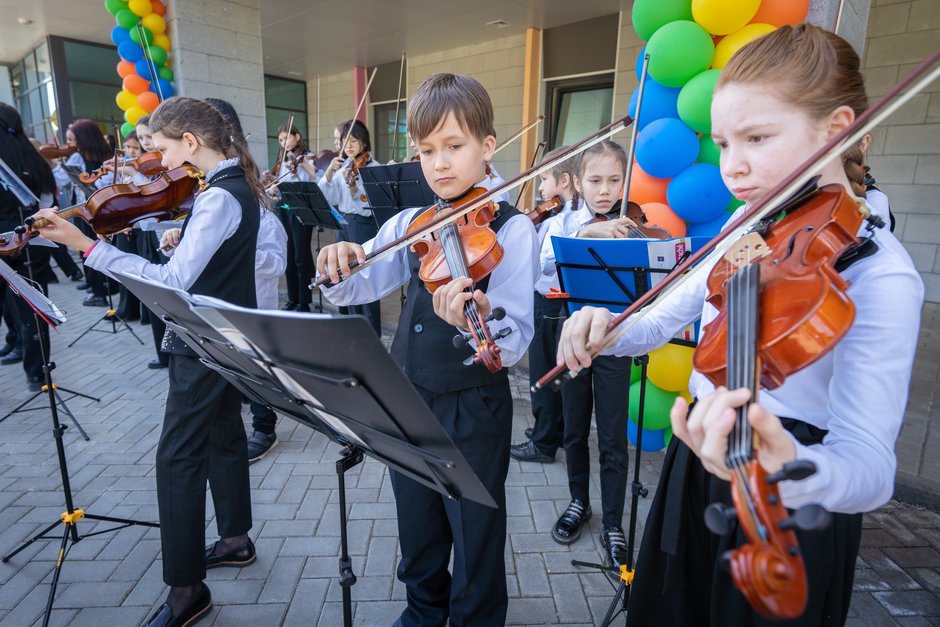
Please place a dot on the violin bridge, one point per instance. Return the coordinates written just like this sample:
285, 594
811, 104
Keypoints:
747, 249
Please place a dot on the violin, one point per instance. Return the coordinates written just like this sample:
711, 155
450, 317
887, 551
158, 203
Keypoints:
466, 248
115, 208
56, 151
545, 210
148, 164
641, 228
351, 174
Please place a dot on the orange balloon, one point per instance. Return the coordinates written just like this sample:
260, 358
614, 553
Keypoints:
125, 68
659, 214
158, 7
780, 12
148, 101
645, 188
135, 84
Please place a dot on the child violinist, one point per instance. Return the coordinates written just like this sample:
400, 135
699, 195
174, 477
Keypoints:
297, 166
548, 431
776, 103
203, 436
450, 117
342, 186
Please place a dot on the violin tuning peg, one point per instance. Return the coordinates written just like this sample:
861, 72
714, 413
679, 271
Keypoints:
469, 361
498, 313
460, 340
20, 229
725, 561
502, 333
719, 518
793, 471
812, 517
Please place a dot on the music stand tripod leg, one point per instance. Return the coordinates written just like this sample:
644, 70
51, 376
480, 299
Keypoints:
349, 458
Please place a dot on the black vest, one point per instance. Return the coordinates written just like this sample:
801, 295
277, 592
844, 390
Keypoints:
230, 273
423, 345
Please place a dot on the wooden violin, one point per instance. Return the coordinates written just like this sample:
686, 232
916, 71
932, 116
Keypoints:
118, 207
351, 174
545, 210
56, 151
641, 228
466, 248
148, 164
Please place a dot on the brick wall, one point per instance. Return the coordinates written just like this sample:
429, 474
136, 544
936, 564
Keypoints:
217, 51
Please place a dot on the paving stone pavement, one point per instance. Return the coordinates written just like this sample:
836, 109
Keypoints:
115, 578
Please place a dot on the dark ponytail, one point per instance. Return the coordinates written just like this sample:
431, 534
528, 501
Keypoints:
19, 153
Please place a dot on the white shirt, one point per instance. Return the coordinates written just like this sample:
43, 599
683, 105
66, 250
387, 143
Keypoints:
337, 193
270, 259
857, 391
510, 285
566, 224
494, 179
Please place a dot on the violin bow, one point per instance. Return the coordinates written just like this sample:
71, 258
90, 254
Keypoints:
281, 155
151, 65
631, 154
448, 217
518, 133
916, 81
525, 186
352, 122
401, 76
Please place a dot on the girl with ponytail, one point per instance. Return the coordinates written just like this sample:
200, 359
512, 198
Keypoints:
778, 101
203, 436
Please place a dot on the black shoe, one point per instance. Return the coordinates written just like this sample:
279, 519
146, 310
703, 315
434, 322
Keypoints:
615, 547
529, 432
95, 301
289, 306
302, 307
78, 276
239, 557
156, 364
82, 286
528, 452
568, 527
7, 349
191, 614
13, 357
34, 383
259, 444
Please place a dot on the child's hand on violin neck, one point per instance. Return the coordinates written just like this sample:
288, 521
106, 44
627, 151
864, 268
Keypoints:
333, 260
449, 301
582, 335
62, 231
705, 430
617, 228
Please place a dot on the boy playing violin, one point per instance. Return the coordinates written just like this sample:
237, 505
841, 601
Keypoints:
449, 118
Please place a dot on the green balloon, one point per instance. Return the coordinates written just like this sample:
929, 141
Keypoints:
656, 406
650, 15
678, 51
113, 6
635, 372
733, 204
165, 73
126, 128
126, 20
159, 56
135, 36
695, 101
708, 151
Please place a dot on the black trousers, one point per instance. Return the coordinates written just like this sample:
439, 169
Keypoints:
64, 258
602, 388
128, 306
479, 421
100, 284
263, 418
203, 438
678, 577
299, 258
549, 430
27, 333
8, 306
147, 244
360, 230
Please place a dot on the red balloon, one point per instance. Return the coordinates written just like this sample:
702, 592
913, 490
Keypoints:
125, 68
148, 101
135, 84
158, 7
659, 214
780, 12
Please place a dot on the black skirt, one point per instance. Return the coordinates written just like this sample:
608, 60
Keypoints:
679, 579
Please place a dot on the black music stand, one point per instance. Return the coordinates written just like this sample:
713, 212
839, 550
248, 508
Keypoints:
329, 373
391, 188
311, 208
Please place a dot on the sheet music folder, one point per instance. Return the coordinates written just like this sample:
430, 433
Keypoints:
330, 373
391, 188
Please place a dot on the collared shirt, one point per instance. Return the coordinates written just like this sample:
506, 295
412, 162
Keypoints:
270, 259
857, 391
337, 193
494, 179
214, 218
510, 284
566, 224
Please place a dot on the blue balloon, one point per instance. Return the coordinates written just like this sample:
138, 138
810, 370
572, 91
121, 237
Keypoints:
119, 35
697, 194
659, 101
666, 147
143, 68
710, 228
166, 88
639, 63
653, 440
130, 51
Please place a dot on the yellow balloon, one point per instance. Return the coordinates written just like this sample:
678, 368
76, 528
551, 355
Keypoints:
162, 41
736, 40
670, 367
720, 17
154, 23
134, 114
125, 100
140, 8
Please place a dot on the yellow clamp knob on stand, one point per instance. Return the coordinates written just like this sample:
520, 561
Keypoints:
74, 517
